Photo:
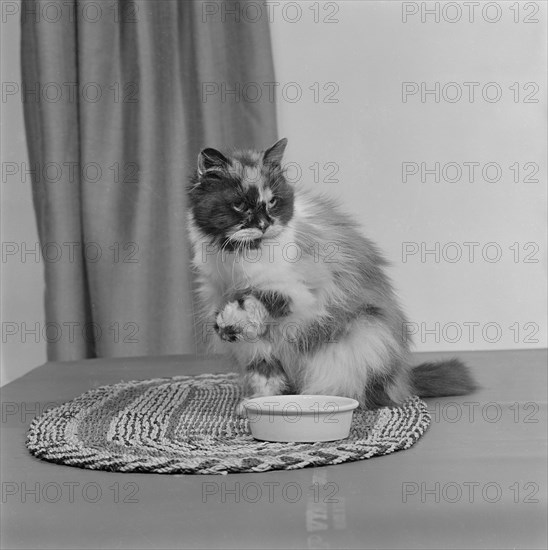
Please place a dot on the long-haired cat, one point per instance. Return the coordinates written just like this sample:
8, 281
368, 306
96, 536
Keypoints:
295, 294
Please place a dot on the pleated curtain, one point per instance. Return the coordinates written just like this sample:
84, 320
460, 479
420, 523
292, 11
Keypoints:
119, 98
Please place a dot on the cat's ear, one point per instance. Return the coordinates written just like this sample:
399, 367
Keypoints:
211, 158
274, 154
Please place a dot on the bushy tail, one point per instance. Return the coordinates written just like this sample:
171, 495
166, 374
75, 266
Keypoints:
442, 378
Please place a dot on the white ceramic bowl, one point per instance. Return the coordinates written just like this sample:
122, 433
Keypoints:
302, 418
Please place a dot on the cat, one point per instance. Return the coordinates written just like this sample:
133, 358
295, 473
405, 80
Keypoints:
296, 295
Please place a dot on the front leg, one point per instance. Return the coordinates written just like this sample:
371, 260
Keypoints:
261, 379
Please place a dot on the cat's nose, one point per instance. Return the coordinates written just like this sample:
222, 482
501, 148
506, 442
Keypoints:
263, 225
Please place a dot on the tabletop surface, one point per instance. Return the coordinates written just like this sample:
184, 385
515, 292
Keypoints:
477, 478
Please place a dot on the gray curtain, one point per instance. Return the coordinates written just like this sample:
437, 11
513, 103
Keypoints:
118, 103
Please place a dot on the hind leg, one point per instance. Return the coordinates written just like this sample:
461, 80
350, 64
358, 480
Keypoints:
367, 364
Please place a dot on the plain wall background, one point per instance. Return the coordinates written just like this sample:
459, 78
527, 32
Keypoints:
361, 59
368, 53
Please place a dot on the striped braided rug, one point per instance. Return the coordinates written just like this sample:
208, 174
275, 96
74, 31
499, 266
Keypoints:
187, 425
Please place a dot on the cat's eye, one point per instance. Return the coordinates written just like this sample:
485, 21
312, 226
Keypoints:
240, 207
272, 202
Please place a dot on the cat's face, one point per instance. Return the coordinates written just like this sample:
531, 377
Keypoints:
241, 199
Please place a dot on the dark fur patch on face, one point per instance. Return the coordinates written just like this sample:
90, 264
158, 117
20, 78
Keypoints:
223, 201
283, 193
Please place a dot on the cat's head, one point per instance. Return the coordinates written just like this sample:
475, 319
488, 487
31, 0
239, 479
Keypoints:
242, 198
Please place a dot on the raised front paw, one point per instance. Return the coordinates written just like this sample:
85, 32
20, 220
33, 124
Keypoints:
242, 320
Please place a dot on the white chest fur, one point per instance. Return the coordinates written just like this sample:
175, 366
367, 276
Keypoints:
280, 264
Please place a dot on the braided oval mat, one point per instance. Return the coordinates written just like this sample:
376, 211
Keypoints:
187, 425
